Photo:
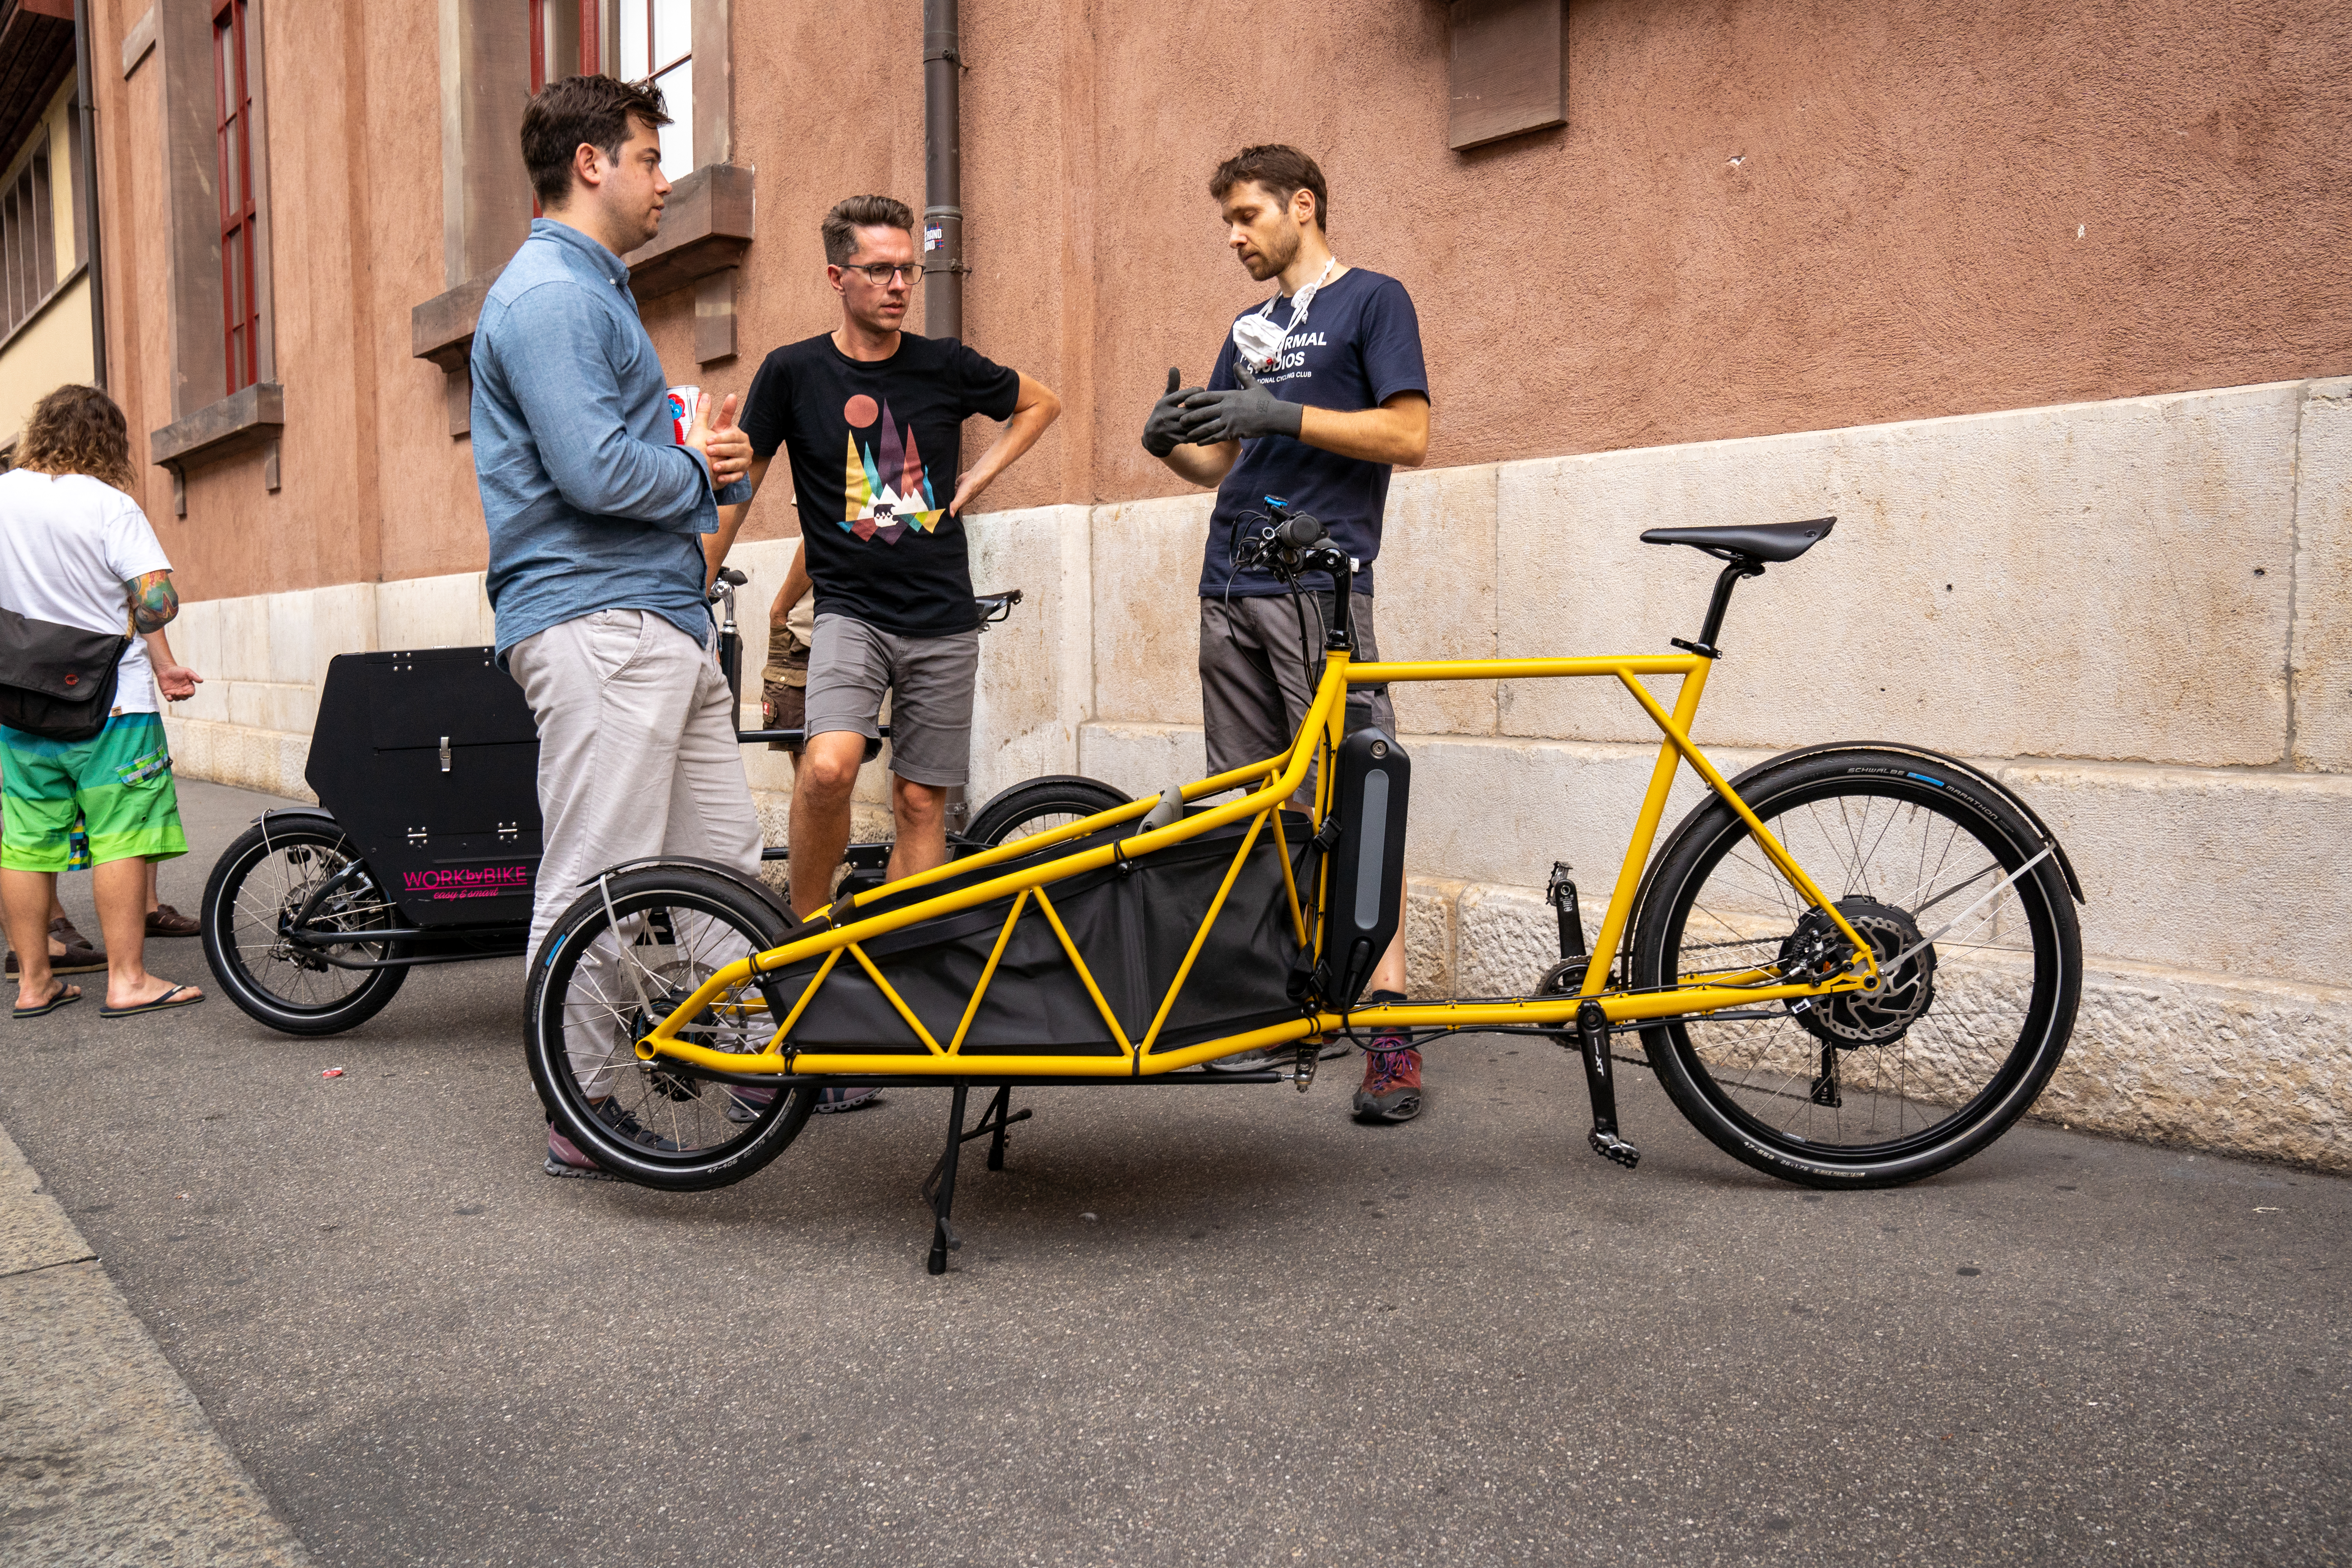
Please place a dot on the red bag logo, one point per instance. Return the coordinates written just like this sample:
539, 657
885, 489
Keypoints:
73, 680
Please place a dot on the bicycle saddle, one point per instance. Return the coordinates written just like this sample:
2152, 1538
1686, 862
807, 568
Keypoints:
1761, 541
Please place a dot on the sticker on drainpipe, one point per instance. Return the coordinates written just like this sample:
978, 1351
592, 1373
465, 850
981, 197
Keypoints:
932, 235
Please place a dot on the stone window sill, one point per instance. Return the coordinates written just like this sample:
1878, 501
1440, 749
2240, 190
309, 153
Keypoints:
242, 422
248, 421
706, 229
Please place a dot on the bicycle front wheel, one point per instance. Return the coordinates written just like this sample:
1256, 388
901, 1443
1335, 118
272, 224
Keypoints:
610, 970
1979, 952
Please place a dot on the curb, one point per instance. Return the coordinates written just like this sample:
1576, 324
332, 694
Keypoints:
105, 1455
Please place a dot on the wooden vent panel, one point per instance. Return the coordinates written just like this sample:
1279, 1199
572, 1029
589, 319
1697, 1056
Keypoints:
1509, 70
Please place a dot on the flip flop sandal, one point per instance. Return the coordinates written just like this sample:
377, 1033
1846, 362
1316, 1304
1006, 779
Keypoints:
67, 995
157, 1006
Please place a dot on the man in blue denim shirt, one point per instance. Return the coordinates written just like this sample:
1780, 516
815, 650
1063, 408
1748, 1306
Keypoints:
597, 514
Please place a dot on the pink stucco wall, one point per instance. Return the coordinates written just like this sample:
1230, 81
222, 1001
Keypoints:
1761, 216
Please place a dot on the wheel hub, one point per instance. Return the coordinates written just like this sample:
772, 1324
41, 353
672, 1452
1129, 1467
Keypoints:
1881, 1015
668, 1079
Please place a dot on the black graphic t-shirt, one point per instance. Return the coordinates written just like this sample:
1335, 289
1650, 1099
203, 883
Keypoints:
874, 445
1359, 347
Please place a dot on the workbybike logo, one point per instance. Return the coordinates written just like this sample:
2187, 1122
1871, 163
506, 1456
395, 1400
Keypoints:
467, 881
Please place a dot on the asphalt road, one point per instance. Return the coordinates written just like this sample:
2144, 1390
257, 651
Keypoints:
1224, 1325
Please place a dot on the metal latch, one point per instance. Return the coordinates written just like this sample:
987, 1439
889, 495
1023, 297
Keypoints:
444, 753
416, 835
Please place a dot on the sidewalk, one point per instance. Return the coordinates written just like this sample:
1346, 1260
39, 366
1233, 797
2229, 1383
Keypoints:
105, 1456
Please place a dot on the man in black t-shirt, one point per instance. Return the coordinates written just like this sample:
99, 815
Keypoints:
1315, 396
871, 418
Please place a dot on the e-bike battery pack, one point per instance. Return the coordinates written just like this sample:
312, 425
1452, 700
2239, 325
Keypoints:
1364, 885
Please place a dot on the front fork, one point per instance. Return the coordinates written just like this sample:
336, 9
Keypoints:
1591, 1029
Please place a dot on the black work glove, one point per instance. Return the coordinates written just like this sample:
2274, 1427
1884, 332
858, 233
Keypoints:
1164, 431
1247, 411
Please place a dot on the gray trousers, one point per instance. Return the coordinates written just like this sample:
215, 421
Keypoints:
637, 752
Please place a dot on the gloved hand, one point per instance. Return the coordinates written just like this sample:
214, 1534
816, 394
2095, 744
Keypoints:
1164, 431
1247, 411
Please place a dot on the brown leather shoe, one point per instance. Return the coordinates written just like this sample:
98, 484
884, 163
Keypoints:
165, 920
78, 958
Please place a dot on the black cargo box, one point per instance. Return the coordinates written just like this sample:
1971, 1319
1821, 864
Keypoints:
430, 760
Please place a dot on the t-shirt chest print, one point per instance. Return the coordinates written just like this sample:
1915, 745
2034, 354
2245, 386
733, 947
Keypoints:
886, 489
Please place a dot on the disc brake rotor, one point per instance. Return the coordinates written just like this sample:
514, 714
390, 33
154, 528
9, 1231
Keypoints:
1816, 951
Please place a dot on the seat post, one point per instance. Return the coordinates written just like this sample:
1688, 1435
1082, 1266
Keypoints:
1725, 582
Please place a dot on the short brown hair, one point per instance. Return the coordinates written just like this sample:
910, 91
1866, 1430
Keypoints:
76, 429
841, 225
1283, 171
595, 109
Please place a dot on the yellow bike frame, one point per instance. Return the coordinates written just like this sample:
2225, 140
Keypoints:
1276, 781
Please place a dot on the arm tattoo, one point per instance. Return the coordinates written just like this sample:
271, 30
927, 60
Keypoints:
154, 602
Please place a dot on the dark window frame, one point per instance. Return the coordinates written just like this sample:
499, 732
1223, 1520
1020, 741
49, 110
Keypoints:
240, 212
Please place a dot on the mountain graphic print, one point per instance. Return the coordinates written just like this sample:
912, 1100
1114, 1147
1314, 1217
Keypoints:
886, 489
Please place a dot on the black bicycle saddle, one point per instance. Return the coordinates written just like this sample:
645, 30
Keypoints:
1763, 542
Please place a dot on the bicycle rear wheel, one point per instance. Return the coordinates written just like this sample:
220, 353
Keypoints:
1040, 805
1981, 960
257, 888
593, 994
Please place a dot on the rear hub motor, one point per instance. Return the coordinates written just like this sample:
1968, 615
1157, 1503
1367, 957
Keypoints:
1816, 951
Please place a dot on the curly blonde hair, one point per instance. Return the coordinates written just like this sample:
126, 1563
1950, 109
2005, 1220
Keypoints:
76, 429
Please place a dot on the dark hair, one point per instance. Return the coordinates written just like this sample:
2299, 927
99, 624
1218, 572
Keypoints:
841, 225
1283, 171
76, 429
595, 109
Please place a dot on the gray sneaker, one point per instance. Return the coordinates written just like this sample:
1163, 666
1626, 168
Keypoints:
1274, 1058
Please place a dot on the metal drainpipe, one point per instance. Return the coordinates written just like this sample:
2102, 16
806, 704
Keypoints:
86, 111
943, 268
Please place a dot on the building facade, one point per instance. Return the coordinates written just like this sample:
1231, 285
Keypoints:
2044, 301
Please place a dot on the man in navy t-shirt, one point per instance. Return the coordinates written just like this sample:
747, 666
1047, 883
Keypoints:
1315, 396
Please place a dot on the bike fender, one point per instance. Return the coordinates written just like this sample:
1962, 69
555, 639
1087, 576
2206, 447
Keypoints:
751, 885
299, 813
1975, 775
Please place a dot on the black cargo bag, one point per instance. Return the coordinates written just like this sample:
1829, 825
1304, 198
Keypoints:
56, 682
1132, 927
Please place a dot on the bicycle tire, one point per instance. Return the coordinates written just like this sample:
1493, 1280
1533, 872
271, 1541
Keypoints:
1964, 1063
1040, 804
579, 1041
257, 968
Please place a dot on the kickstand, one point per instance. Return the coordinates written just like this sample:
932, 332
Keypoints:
939, 1187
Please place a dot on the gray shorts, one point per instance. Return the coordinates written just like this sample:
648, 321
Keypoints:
1254, 685
931, 684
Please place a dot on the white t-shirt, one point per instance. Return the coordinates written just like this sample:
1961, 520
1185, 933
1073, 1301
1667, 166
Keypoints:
68, 544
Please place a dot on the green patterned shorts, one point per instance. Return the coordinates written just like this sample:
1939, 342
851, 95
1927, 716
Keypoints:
116, 785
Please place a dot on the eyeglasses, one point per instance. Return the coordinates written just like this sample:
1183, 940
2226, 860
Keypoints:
882, 274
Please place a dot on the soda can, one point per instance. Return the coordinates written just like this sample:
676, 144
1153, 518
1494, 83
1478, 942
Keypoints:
683, 401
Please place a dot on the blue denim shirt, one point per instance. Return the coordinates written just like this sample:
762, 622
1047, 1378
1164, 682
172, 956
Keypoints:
591, 505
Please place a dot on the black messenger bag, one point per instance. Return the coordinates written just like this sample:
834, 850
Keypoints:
56, 682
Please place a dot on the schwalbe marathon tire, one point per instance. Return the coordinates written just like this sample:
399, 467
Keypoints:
249, 993
678, 886
1712, 830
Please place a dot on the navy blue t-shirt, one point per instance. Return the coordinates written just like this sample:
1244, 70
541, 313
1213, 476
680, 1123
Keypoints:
1359, 347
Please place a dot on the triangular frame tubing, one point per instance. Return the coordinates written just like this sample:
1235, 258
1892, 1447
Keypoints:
1675, 728
1201, 937
1289, 881
904, 1011
988, 973
1086, 975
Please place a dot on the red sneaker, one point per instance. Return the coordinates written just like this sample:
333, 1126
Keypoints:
1391, 1088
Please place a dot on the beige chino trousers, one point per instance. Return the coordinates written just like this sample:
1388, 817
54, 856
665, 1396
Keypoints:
638, 755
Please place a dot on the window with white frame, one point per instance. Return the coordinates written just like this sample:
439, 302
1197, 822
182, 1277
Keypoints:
656, 40
28, 253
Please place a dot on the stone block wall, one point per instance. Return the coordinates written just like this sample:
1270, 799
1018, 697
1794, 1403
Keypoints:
2134, 613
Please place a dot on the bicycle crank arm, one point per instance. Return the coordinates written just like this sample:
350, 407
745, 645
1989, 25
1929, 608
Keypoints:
1592, 1034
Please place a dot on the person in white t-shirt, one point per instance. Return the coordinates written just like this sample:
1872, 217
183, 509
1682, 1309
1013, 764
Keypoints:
76, 550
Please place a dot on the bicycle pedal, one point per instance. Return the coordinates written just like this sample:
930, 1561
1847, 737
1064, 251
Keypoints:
1609, 1146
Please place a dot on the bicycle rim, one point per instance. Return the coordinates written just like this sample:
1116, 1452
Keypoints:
1977, 960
